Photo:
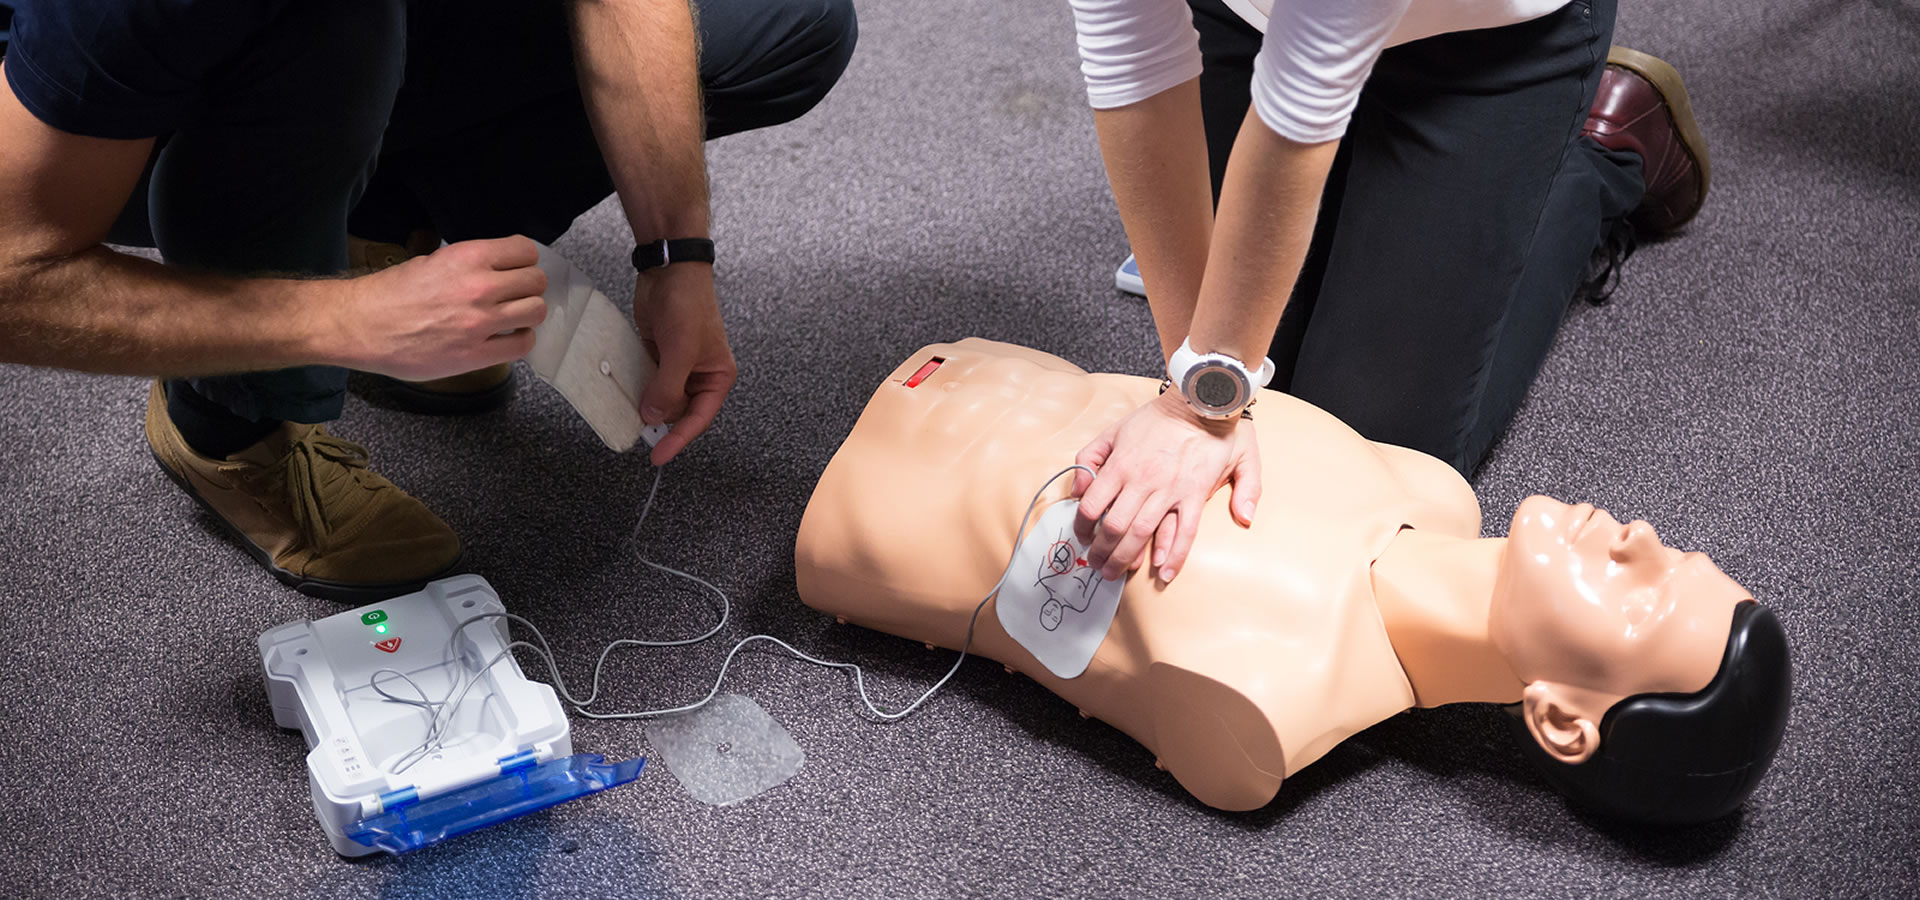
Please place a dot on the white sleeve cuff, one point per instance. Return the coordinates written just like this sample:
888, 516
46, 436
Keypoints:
1314, 60
1133, 49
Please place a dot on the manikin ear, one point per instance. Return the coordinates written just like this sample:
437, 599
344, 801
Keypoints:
1563, 731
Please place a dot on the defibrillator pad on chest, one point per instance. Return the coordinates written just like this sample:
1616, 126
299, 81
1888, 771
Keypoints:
1052, 602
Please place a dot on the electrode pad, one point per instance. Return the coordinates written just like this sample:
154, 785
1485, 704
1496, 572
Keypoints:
726, 751
588, 350
1051, 601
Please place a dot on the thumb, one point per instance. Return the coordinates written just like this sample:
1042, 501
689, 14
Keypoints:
665, 397
1246, 488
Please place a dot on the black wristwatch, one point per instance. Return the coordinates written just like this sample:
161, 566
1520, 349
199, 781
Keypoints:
666, 253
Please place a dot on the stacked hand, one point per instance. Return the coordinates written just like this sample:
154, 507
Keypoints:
1157, 467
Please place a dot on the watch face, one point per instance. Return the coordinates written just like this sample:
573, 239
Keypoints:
1216, 389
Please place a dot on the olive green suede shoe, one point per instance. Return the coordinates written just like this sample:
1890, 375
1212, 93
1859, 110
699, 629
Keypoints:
304, 504
458, 395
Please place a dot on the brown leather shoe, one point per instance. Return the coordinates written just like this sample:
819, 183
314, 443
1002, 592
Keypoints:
1642, 106
365, 256
304, 504
457, 395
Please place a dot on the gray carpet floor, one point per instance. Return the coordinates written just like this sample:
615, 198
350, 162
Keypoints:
1754, 390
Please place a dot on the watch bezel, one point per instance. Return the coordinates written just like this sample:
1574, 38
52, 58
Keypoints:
1185, 367
1242, 388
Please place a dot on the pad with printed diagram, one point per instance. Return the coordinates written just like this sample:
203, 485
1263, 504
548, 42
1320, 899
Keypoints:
1052, 602
588, 350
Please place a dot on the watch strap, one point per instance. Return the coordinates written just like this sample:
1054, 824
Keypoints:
674, 250
1184, 359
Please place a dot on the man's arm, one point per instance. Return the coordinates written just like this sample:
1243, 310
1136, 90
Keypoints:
639, 72
67, 300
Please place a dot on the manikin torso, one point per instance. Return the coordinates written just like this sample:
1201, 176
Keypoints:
1263, 654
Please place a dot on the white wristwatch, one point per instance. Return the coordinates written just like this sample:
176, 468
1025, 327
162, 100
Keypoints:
1214, 384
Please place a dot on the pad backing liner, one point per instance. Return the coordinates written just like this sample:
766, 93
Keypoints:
727, 751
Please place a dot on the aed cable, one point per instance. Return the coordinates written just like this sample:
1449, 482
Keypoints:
442, 711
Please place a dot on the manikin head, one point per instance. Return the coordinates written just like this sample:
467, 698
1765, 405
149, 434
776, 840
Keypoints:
1656, 689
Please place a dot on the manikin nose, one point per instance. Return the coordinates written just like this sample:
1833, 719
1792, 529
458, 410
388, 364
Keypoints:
1637, 541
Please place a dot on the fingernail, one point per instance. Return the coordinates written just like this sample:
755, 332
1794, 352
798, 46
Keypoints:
1166, 574
652, 415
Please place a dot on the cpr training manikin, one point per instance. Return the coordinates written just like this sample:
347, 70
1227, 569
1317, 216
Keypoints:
1645, 683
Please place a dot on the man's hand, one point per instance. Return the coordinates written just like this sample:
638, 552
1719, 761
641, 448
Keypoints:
1157, 468
464, 307
679, 321
640, 76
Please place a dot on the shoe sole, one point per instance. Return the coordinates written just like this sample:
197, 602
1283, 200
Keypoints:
415, 399
1128, 283
340, 591
1214, 740
1673, 92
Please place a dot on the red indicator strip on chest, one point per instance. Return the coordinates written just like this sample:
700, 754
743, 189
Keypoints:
928, 369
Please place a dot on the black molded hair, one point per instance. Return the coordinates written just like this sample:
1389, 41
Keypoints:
1675, 759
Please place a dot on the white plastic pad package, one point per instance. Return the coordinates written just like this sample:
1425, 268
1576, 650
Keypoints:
727, 751
588, 350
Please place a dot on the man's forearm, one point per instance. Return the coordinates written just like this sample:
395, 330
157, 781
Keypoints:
107, 312
1156, 158
1268, 204
639, 72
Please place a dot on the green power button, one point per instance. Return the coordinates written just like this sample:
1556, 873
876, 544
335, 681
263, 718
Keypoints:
374, 618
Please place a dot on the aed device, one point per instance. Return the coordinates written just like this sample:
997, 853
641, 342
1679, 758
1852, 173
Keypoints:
478, 744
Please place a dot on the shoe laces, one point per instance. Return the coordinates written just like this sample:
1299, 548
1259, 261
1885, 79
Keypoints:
1603, 268
320, 472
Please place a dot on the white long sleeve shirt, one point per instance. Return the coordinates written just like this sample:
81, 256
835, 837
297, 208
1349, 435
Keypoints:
1315, 57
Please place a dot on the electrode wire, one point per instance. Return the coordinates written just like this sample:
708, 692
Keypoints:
442, 711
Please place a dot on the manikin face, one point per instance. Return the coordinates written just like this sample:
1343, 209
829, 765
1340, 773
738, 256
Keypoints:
1589, 611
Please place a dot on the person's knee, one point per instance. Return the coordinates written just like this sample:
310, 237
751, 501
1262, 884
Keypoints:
835, 31
814, 41
824, 37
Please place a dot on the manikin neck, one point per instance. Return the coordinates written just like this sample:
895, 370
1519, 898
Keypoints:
1434, 593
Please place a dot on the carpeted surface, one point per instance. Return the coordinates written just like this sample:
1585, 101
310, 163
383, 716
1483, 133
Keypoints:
1753, 389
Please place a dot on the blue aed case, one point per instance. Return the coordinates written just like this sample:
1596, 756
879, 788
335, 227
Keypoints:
447, 744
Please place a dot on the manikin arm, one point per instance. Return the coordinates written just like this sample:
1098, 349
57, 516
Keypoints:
639, 72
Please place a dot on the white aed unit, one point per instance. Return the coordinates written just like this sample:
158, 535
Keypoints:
419, 722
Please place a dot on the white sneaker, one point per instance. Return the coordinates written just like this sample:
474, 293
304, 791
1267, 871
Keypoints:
1127, 278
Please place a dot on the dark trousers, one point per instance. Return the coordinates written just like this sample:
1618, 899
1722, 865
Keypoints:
1458, 222
381, 116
